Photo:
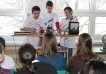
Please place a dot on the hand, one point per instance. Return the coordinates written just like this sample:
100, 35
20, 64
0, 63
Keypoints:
59, 31
32, 30
41, 30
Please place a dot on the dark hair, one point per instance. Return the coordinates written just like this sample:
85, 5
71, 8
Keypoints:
27, 54
68, 8
2, 41
84, 47
1, 48
94, 67
49, 3
35, 8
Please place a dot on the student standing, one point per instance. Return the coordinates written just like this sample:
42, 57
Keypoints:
68, 42
50, 17
33, 24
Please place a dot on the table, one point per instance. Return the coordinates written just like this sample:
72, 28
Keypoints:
99, 52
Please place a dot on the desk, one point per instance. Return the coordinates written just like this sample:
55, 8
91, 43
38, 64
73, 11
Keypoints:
99, 52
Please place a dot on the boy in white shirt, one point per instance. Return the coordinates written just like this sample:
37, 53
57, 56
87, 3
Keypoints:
34, 24
68, 42
50, 18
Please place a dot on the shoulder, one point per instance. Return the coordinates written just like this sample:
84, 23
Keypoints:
41, 19
39, 57
8, 62
63, 19
74, 19
8, 58
59, 55
45, 68
73, 58
23, 71
29, 17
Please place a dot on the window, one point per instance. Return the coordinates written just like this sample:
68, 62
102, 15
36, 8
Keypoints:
71, 3
100, 4
100, 25
13, 4
9, 24
60, 4
83, 24
11, 16
83, 4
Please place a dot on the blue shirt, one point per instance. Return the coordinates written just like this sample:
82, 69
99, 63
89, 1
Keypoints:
56, 60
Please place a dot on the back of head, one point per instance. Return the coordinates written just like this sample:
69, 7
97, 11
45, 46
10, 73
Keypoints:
2, 41
94, 67
27, 55
49, 44
84, 47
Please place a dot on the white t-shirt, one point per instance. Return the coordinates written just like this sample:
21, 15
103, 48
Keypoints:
30, 22
68, 42
50, 19
8, 62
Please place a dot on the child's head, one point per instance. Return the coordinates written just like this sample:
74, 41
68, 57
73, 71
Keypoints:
49, 44
84, 47
68, 11
36, 12
85, 42
94, 67
1, 53
27, 53
49, 6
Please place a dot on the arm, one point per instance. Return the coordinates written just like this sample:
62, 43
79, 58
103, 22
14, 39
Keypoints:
27, 26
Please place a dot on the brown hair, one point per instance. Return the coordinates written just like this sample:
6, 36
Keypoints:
26, 55
84, 47
94, 67
1, 48
49, 44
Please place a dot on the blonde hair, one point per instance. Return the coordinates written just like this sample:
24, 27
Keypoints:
49, 45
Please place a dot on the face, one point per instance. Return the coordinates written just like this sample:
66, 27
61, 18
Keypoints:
49, 9
36, 14
68, 13
1, 57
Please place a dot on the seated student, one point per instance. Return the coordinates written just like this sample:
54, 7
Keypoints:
84, 54
2, 70
30, 66
49, 52
94, 67
8, 62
